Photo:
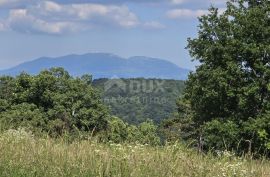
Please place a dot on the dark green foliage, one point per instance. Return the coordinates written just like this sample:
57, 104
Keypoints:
24, 115
154, 99
229, 93
51, 101
219, 134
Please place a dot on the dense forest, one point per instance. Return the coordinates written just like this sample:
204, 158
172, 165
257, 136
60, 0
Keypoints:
148, 101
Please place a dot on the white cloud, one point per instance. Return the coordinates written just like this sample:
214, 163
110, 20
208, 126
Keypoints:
64, 16
20, 20
91, 13
185, 13
51, 6
53, 18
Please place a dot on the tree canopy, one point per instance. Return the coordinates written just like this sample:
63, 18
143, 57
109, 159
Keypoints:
56, 104
229, 94
51, 101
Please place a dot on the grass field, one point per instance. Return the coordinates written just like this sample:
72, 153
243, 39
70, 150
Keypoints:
21, 154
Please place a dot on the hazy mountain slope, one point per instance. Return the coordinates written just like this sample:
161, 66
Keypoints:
103, 65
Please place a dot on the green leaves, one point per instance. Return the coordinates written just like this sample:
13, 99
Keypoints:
232, 82
120, 132
51, 101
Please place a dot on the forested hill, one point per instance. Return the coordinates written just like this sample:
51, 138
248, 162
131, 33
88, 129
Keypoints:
136, 100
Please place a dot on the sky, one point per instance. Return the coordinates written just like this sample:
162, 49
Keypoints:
30, 29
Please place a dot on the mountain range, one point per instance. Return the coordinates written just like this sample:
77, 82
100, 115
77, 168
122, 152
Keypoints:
104, 65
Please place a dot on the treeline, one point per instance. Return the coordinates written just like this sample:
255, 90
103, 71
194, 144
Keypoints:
56, 104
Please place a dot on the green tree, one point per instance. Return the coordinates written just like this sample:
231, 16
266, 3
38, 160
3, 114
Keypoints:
231, 86
53, 101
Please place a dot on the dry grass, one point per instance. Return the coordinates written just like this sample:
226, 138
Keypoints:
23, 155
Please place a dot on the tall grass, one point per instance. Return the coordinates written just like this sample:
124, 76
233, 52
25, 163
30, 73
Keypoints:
21, 154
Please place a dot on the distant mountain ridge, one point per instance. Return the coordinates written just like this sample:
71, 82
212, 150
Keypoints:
104, 65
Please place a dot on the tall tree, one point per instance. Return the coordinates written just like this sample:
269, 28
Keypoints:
230, 89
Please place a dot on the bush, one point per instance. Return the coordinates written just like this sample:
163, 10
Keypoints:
120, 132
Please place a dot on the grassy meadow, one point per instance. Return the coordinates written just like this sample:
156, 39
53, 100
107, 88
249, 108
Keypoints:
21, 154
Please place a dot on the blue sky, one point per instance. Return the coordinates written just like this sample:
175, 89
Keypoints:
31, 29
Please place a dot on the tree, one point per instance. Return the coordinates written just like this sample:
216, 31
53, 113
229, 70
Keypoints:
53, 102
230, 88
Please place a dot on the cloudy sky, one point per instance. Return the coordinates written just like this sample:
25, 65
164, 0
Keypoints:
157, 28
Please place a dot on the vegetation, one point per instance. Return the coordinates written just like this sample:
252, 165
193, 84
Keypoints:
21, 154
121, 132
227, 100
51, 101
225, 111
154, 99
54, 103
